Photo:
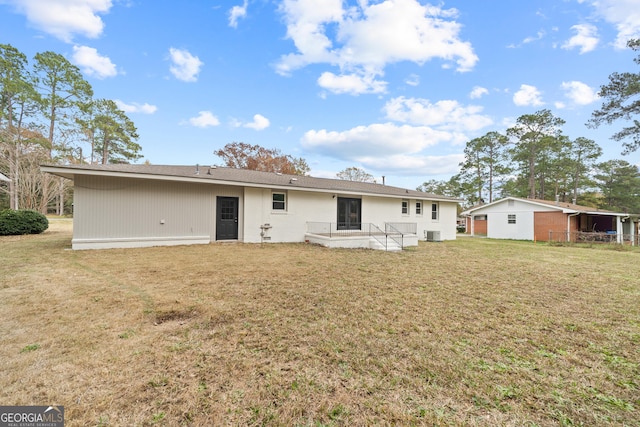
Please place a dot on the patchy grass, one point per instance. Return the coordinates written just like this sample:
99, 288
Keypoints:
473, 332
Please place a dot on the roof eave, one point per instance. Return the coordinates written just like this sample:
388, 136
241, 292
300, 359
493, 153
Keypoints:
70, 173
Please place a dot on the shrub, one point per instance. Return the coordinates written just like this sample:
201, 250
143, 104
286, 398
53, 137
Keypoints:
22, 222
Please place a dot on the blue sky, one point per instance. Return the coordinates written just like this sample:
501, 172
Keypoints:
395, 87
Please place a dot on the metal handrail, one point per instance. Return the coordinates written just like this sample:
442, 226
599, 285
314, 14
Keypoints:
332, 229
379, 235
393, 232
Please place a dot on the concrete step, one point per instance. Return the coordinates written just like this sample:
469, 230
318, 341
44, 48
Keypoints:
392, 246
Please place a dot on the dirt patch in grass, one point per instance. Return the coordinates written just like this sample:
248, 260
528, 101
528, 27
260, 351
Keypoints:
472, 332
173, 315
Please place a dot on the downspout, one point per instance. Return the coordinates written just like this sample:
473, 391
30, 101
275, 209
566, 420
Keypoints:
569, 225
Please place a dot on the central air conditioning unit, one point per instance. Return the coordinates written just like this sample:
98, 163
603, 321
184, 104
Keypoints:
432, 236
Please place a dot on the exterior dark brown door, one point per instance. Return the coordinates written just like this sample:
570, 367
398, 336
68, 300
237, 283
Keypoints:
227, 218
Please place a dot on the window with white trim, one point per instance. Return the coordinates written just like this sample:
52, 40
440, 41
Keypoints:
511, 219
405, 207
418, 208
434, 211
279, 201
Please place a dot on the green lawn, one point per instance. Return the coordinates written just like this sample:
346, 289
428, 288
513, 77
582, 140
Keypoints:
471, 332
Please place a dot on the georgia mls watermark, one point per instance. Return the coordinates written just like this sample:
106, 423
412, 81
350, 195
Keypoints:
31, 416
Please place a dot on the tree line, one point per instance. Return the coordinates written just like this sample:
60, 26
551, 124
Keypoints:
48, 115
534, 159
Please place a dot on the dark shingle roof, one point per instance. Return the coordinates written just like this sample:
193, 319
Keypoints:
240, 177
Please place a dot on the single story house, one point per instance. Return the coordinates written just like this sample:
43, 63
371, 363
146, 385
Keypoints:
543, 220
134, 205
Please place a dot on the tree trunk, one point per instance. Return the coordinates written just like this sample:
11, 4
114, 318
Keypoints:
105, 150
490, 184
60, 209
13, 176
532, 179
45, 178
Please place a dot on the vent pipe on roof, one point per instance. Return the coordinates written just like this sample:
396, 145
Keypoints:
383, 179
197, 169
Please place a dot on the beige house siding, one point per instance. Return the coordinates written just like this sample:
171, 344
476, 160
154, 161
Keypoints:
117, 211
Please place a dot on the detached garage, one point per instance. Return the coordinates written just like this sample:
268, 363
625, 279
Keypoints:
543, 220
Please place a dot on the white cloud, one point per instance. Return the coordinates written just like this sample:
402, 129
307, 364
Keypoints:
136, 107
539, 36
260, 122
204, 119
413, 80
401, 146
412, 165
444, 115
64, 18
92, 63
624, 14
379, 140
362, 40
528, 96
478, 91
236, 13
580, 93
185, 66
351, 83
586, 38
387, 147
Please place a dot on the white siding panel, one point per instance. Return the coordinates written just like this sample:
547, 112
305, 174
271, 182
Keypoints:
290, 225
498, 226
303, 207
379, 210
518, 206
